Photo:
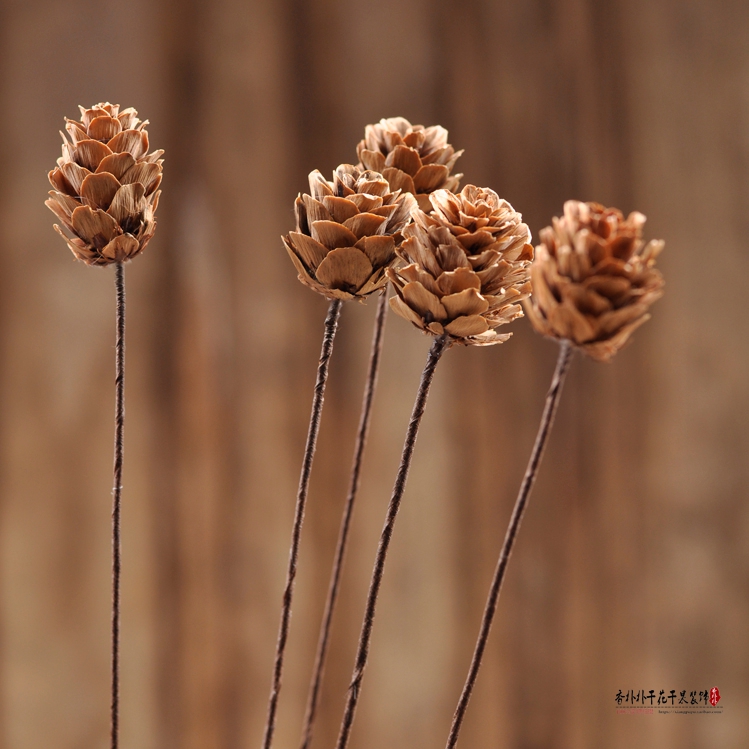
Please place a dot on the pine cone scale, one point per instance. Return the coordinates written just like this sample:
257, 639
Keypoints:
120, 248
104, 128
345, 268
405, 159
332, 234
376, 281
365, 225
373, 160
413, 272
74, 174
75, 131
609, 323
465, 303
134, 142
364, 202
379, 249
117, 164
98, 190
89, 153
341, 209
128, 204
587, 301
145, 173
467, 327
401, 308
430, 177
458, 280
399, 180
423, 302
94, 226
310, 250
315, 210
61, 208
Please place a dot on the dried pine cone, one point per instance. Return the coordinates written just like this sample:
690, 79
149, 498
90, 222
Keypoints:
468, 267
106, 185
594, 278
347, 231
412, 158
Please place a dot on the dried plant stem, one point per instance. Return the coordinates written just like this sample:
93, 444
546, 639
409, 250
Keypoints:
331, 325
335, 576
547, 420
438, 348
119, 427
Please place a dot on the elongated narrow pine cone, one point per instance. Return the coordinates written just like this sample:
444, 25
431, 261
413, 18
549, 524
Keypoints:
412, 158
468, 267
594, 278
347, 231
106, 185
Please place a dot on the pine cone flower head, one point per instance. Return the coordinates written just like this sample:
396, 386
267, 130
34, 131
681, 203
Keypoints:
468, 267
412, 158
347, 231
106, 185
594, 278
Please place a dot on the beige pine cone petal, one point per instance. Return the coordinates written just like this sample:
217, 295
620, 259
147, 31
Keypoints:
347, 232
412, 158
106, 185
467, 267
594, 278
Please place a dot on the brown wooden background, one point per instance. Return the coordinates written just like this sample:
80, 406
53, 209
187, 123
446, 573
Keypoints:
633, 562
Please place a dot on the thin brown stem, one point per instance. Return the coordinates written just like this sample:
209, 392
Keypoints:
119, 427
547, 420
331, 325
438, 348
335, 576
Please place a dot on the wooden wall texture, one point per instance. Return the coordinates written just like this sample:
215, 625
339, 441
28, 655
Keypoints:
632, 566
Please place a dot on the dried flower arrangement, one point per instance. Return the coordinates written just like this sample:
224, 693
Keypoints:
462, 266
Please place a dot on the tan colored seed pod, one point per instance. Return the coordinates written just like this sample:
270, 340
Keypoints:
347, 231
468, 267
106, 185
594, 278
412, 158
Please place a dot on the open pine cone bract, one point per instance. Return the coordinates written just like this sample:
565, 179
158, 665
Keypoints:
594, 278
106, 185
347, 232
412, 158
467, 267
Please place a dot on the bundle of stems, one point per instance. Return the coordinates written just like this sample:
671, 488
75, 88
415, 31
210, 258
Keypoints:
593, 278
331, 325
348, 510
460, 263
544, 430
